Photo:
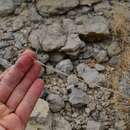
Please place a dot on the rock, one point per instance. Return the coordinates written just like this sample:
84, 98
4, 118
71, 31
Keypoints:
96, 24
90, 76
99, 67
121, 125
55, 38
72, 80
56, 103
57, 7
4, 63
101, 56
36, 37
89, 2
18, 23
69, 26
77, 97
59, 123
73, 44
93, 125
65, 66
40, 111
115, 60
114, 49
6, 7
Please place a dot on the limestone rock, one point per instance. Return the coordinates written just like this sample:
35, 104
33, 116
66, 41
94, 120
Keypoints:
55, 7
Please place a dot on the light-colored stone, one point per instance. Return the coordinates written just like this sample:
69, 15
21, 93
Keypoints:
77, 97
65, 66
93, 125
99, 67
91, 76
6, 7
73, 44
114, 49
55, 7
55, 38
56, 103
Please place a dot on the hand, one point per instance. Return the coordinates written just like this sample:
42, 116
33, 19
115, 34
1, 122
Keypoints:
20, 88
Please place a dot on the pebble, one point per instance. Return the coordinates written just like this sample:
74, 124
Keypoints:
77, 97
58, 7
99, 67
56, 103
65, 66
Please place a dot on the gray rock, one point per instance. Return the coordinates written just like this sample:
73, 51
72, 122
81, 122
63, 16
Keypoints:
101, 56
114, 49
93, 125
73, 44
6, 7
57, 7
69, 25
4, 63
36, 37
91, 76
77, 97
89, 2
59, 123
99, 67
18, 23
55, 38
56, 103
65, 66
115, 60
93, 24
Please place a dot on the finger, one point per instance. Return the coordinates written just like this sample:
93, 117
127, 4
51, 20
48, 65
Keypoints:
11, 122
15, 75
20, 91
26, 106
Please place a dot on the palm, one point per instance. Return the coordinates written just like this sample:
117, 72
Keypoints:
19, 91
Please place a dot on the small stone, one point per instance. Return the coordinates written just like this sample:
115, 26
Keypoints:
57, 7
36, 37
77, 97
121, 125
18, 23
73, 44
99, 67
6, 7
101, 56
4, 63
54, 39
90, 75
56, 103
93, 125
65, 66
115, 60
72, 80
114, 49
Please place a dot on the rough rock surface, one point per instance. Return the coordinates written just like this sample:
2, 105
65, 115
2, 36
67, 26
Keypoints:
51, 7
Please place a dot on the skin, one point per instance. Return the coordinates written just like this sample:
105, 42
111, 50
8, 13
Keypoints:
20, 89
